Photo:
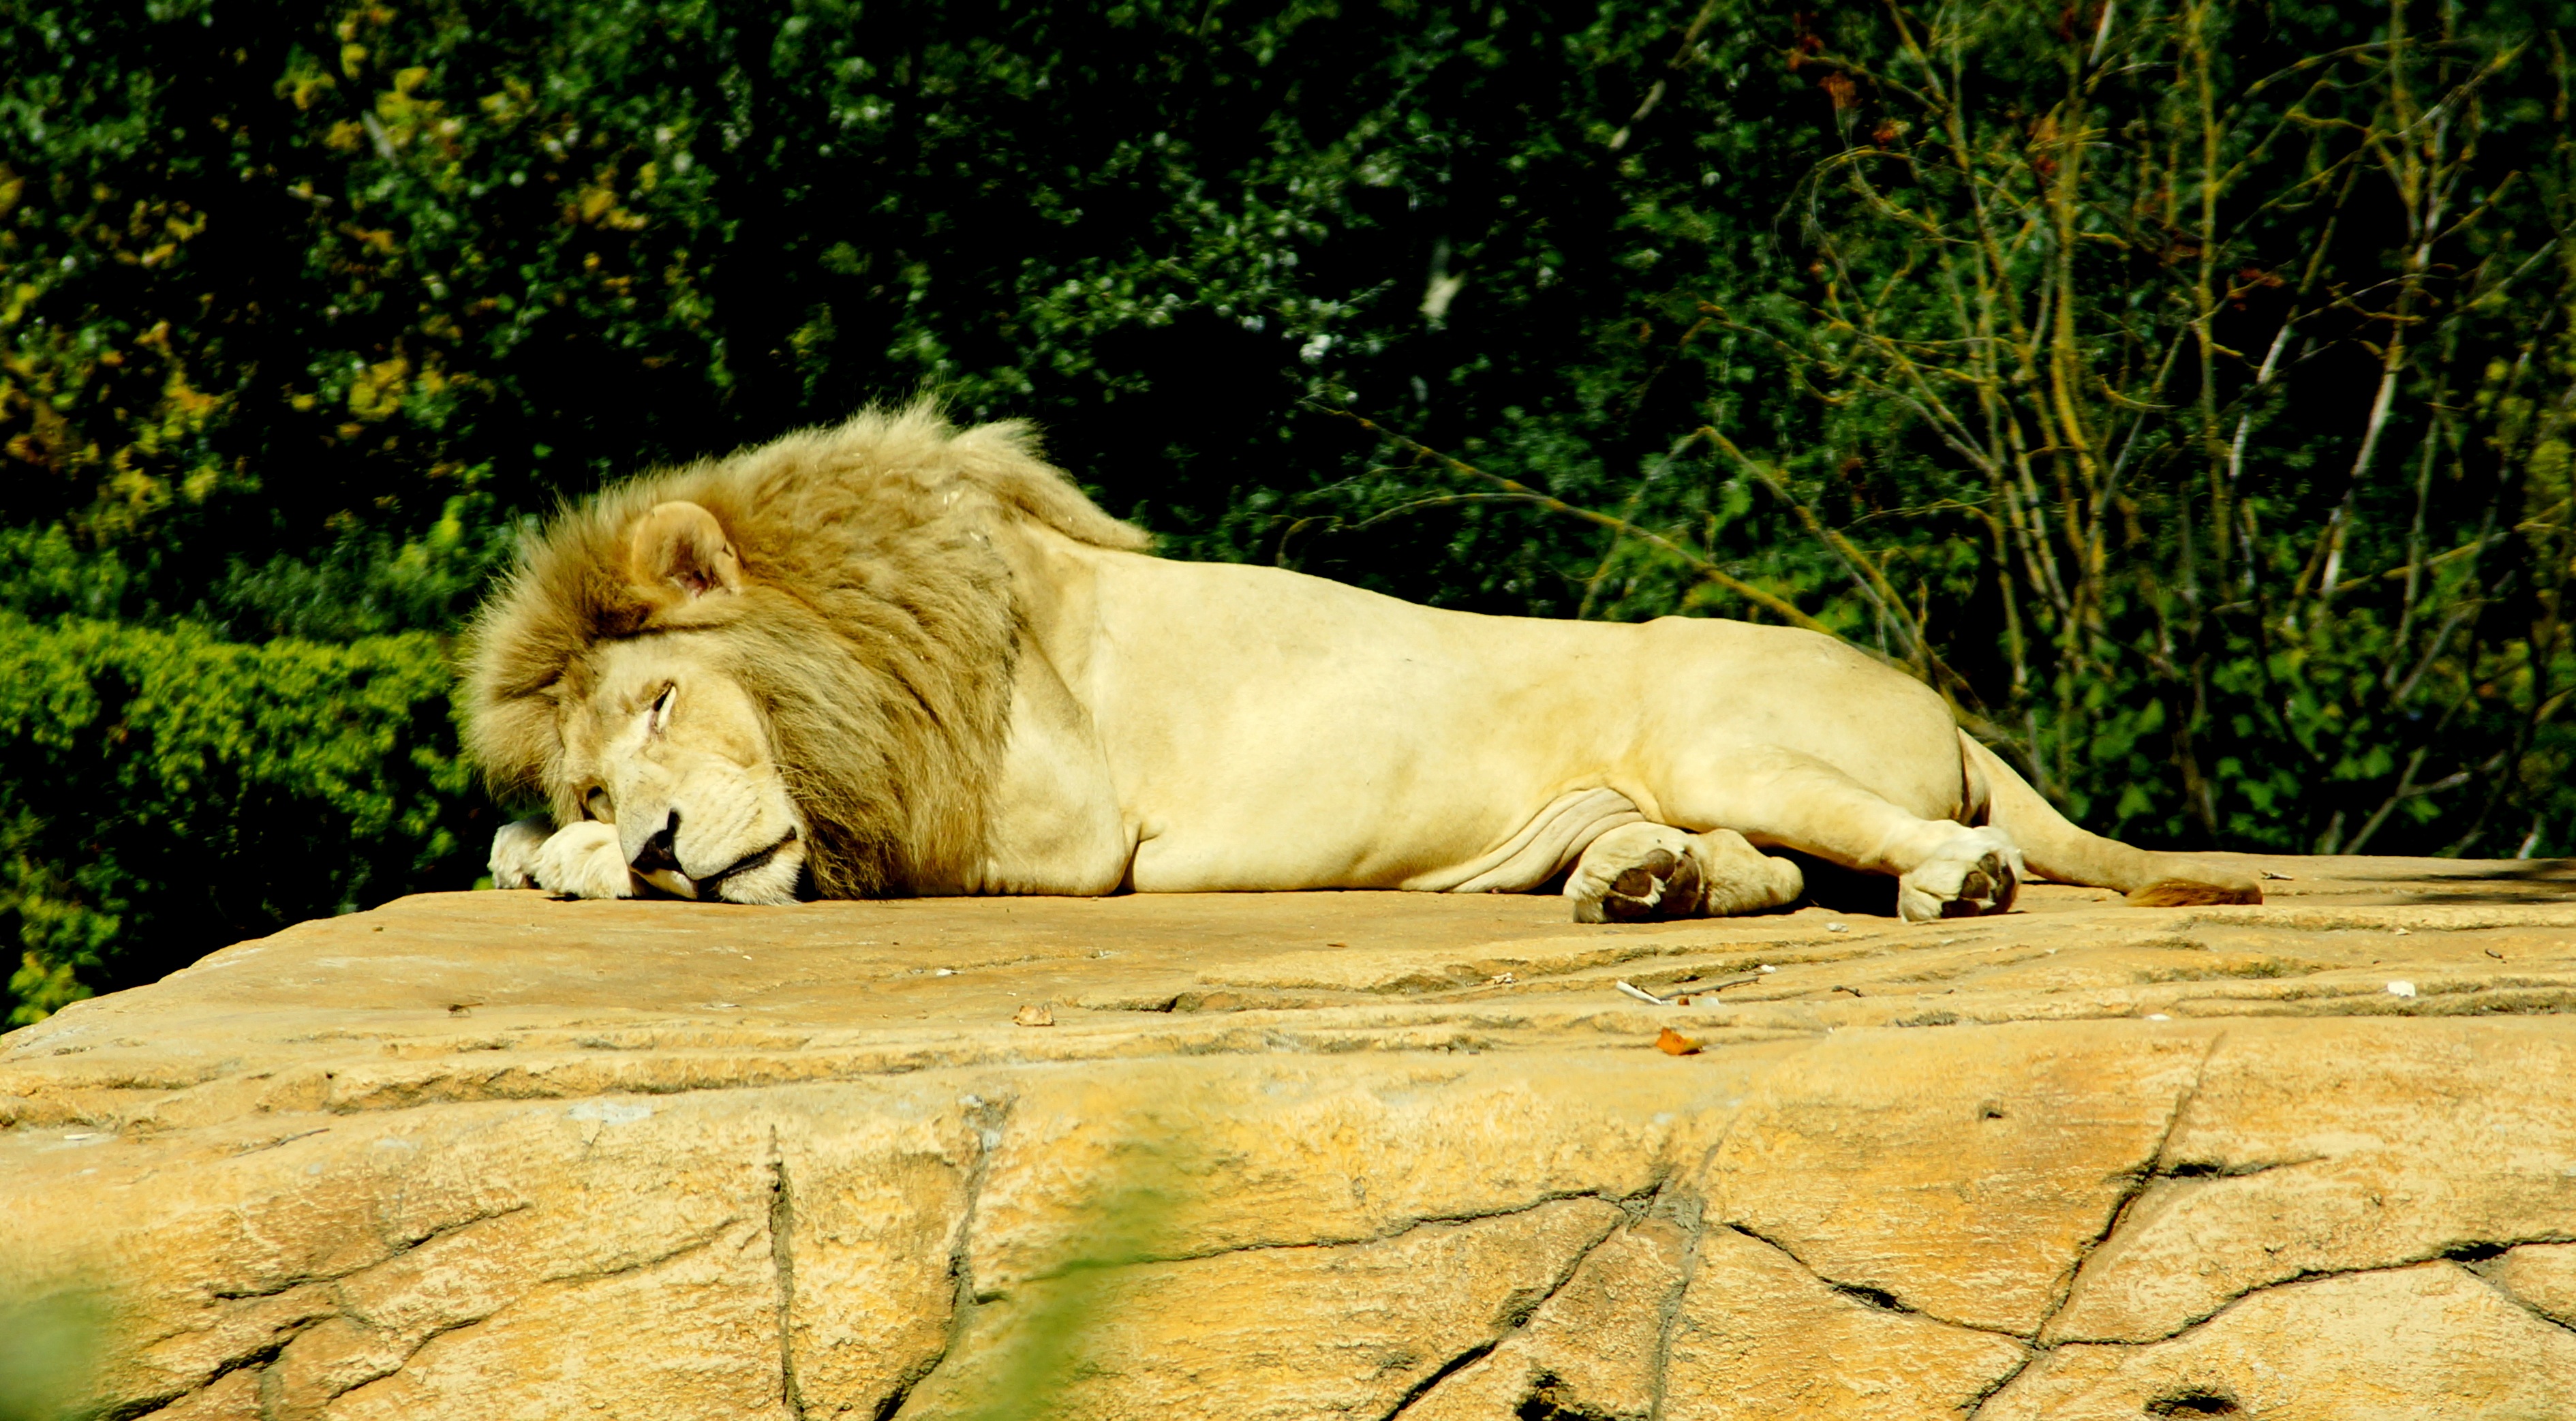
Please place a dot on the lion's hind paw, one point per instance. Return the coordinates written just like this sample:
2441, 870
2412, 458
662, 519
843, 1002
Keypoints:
1666, 885
1637, 873
1975, 874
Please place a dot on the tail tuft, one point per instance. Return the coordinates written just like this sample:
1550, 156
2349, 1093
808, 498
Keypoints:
2194, 893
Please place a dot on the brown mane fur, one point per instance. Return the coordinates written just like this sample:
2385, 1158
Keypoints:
876, 628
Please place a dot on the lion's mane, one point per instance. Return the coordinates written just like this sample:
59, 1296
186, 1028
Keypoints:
876, 629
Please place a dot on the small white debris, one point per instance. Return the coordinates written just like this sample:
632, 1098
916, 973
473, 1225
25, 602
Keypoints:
2158, 1016
1837, 928
1767, 967
2401, 932
610, 1112
945, 972
1640, 993
971, 1102
720, 1006
2401, 989
1501, 979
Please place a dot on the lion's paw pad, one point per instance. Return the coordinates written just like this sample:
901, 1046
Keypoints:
1986, 888
1663, 884
1971, 880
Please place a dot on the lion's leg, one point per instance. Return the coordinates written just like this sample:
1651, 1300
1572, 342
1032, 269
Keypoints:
1943, 869
1639, 872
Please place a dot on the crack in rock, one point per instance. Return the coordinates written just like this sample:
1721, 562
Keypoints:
1872, 1297
782, 1254
264, 1354
280, 1140
1519, 1320
2142, 1178
2477, 1269
2447, 1254
987, 1120
1688, 1212
300, 1280
2041, 1350
2215, 1169
1398, 1229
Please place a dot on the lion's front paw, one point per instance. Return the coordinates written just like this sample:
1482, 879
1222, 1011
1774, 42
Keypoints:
514, 852
1634, 874
1979, 871
585, 861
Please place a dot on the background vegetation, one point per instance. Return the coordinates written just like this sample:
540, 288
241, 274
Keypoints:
2183, 386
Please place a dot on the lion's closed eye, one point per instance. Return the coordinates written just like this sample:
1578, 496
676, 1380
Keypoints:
660, 715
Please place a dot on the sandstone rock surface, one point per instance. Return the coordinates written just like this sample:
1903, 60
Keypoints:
1326, 1155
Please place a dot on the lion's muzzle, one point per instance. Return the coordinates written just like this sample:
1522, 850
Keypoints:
660, 853
759, 872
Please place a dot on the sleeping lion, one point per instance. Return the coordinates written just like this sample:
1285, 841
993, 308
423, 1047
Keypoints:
901, 658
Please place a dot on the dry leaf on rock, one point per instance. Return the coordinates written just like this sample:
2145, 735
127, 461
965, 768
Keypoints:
1673, 1043
1035, 1014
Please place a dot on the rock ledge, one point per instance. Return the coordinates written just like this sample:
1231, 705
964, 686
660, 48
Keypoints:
487, 1155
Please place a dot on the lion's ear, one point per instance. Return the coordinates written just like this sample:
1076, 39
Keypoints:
681, 545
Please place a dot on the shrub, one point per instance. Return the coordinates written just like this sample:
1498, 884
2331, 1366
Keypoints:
163, 793
2183, 387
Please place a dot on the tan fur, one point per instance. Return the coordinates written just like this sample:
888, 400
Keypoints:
871, 619
2057, 849
897, 657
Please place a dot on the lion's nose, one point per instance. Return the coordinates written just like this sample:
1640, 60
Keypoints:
659, 854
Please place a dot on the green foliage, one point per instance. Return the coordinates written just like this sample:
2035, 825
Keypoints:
163, 793
2164, 391
2041, 350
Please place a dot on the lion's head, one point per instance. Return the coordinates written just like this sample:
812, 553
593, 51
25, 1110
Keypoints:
792, 662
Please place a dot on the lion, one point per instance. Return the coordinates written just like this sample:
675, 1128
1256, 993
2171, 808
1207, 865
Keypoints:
897, 657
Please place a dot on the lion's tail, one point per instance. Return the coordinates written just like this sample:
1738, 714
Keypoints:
2056, 849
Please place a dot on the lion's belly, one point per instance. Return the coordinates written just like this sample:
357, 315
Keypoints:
1358, 807
1543, 848
1424, 853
